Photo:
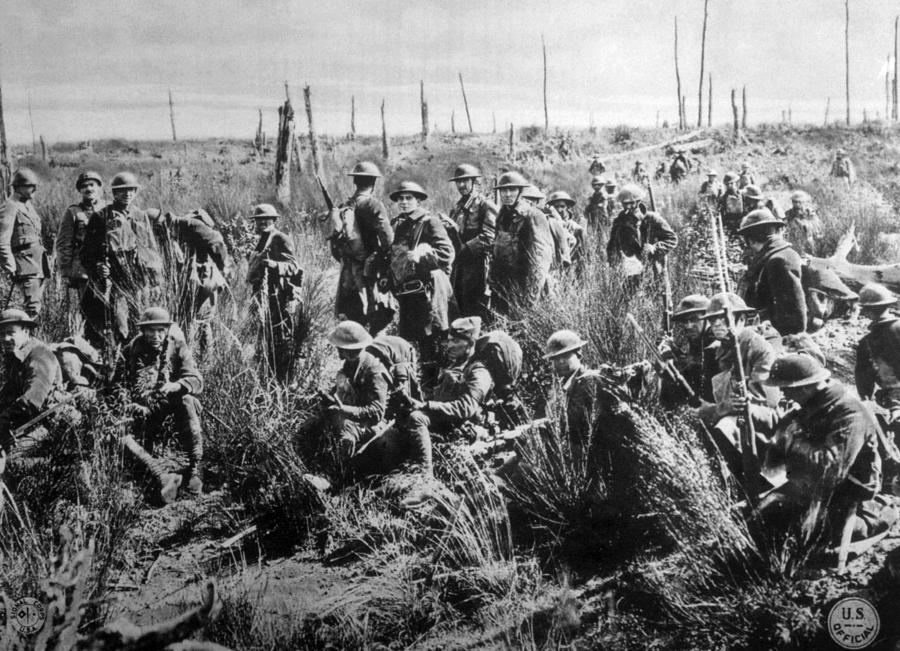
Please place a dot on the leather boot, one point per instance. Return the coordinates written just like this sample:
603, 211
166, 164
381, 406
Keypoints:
420, 448
193, 479
168, 483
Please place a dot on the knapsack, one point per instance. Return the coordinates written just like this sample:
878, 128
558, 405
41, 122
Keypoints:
502, 357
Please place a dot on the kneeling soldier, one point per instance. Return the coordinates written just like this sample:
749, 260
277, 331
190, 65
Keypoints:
694, 360
160, 378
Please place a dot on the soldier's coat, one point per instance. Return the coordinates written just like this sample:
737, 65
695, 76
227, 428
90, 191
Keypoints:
772, 285
523, 253
70, 239
476, 223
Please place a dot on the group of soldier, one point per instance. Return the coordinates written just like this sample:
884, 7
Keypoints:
744, 360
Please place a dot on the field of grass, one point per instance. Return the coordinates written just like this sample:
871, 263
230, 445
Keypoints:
540, 567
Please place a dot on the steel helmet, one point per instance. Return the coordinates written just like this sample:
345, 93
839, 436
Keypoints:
711, 172
84, 177
759, 217
630, 192
597, 180
730, 177
154, 316
800, 195
753, 192
691, 304
468, 328
719, 301
16, 317
610, 183
532, 192
876, 295
349, 335
265, 211
561, 195
412, 188
511, 180
365, 168
24, 176
124, 180
562, 342
796, 370
465, 171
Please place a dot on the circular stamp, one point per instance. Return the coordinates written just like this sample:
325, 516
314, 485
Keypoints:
853, 623
28, 615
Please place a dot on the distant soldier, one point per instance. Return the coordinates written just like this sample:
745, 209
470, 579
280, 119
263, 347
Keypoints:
73, 227
690, 350
725, 412
523, 249
638, 237
639, 173
564, 205
754, 199
361, 242
878, 354
731, 203
680, 166
159, 379
421, 259
711, 190
828, 446
610, 186
804, 228
772, 283
597, 167
842, 168
274, 275
595, 210
21, 241
746, 178
476, 222
122, 261
33, 382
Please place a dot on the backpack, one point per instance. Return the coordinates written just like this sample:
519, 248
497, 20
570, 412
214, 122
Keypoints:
502, 357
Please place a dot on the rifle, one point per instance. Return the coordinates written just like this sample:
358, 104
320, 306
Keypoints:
749, 452
505, 439
21, 429
329, 203
667, 284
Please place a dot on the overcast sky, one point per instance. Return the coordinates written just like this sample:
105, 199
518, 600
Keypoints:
101, 68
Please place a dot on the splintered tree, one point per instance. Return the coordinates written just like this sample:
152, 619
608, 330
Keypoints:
384, 137
353, 117
847, 56
744, 108
465, 103
546, 115
423, 105
5, 178
172, 116
702, 62
709, 93
313, 142
283, 152
678, 81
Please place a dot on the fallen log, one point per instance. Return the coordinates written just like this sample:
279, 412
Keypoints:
857, 275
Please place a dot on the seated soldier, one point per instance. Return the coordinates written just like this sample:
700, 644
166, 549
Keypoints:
399, 359
458, 399
33, 383
725, 413
693, 359
159, 377
828, 445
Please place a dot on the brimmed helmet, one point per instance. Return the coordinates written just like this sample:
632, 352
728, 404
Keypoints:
412, 188
561, 195
691, 304
468, 328
265, 211
562, 342
876, 295
753, 192
757, 218
24, 176
719, 301
796, 370
16, 317
155, 316
84, 177
511, 180
532, 192
630, 192
124, 180
465, 171
349, 335
365, 168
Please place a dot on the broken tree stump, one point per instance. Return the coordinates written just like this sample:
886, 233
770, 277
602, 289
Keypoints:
857, 275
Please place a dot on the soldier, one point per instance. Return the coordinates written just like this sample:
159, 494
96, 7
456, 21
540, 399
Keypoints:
421, 259
693, 358
523, 249
746, 178
828, 445
731, 203
563, 241
597, 167
563, 205
33, 382
711, 190
72, 228
639, 173
725, 411
878, 353
772, 283
680, 166
121, 258
273, 273
476, 221
399, 358
364, 250
638, 236
595, 210
804, 228
456, 402
754, 199
842, 168
159, 378
21, 249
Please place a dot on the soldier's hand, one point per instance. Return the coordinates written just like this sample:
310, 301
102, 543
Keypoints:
271, 264
665, 348
170, 387
739, 403
649, 249
102, 270
335, 405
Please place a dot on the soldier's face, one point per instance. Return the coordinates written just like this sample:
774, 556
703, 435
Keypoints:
629, 206
719, 326
25, 191
348, 354
263, 225
155, 335
124, 197
89, 190
13, 337
465, 186
508, 196
691, 326
800, 395
731, 185
598, 187
798, 204
407, 202
564, 365
560, 206
457, 348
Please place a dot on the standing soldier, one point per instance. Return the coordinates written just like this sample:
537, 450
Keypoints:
21, 250
772, 282
596, 166
70, 237
159, 379
476, 221
842, 168
595, 211
274, 273
362, 246
804, 228
121, 258
679, 167
690, 350
878, 354
746, 177
638, 236
563, 205
562, 240
639, 173
523, 250
421, 259
711, 190
731, 203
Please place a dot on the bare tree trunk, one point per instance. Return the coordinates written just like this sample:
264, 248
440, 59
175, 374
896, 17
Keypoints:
353, 117
258, 141
709, 99
734, 111
283, 153
702, 62
384, 138
827, 106
424, 108
678, 81
887, 87
31, 120
790, 115
512, 142
313, 143
465, 102
494, 122
783, 116
847, 56
172, 116
744, 108
657, 120
894, 83
452, 121
297, 157
684, 110
546, 115
43, 149
5, 172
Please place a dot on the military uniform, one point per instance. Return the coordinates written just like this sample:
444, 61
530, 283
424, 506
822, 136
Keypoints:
399, 358
842, 168
731, 208
711, 192
878, 362
629, 234
804, 229
70, 241
563, 240
22, 251
523, 254
476, 221
697, 364
772, 284
362, 386
596, 210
